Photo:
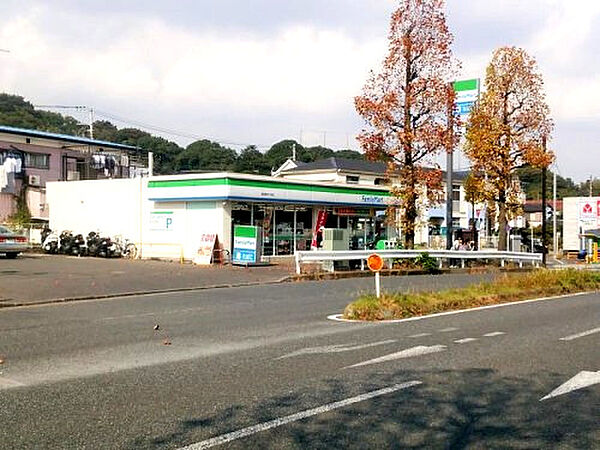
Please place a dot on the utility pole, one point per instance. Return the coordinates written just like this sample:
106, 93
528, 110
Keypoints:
294, 151
91, 110
544, 169
591, 181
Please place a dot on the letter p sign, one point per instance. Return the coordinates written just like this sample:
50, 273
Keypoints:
169, 222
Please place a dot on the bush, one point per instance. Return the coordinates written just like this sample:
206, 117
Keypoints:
506, 288
427, 263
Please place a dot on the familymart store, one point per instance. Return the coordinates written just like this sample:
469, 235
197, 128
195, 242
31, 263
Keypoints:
190, 210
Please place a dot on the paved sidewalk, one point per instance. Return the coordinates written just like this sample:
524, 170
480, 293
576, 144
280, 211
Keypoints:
34, 278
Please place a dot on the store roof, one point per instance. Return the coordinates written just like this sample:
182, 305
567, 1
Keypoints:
63, 137
356, 165
349, 165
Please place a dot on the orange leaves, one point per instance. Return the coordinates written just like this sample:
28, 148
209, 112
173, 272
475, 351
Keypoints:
406, 105
507, 127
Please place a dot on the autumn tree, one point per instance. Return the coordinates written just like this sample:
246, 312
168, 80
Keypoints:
406, 106
507, 128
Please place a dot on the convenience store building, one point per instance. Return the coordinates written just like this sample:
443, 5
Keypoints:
175, 216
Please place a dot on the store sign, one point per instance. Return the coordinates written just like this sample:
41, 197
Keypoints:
161, 221
588, 211
245, 244
467, 93
206, 248
353, 212
372, 199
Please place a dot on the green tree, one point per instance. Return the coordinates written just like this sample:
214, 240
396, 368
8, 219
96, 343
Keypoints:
251, 160
349, 154
15, 111
105, 131
281, 151
205, 155
316, 153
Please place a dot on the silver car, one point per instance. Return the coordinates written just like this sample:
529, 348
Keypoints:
11, 243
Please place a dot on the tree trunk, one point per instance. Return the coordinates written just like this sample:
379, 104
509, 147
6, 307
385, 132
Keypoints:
502, 225
411, 218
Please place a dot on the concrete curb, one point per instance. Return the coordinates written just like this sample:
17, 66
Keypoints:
7, 303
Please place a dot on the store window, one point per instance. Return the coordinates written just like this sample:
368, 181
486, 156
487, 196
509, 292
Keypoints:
37, 161
352, 179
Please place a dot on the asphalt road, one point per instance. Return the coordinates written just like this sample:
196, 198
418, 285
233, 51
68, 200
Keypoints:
263, 367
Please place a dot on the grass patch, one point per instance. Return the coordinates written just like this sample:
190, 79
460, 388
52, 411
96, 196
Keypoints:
506, 288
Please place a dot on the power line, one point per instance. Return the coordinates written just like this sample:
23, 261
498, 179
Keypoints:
172, 132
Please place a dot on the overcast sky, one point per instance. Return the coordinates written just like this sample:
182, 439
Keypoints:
258, 71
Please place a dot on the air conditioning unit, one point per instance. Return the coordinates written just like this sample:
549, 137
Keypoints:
34, 180
73, 175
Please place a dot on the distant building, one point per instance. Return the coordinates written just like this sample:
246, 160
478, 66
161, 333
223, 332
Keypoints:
30, 158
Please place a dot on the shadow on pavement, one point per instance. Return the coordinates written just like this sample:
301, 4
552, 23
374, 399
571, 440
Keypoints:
451, 409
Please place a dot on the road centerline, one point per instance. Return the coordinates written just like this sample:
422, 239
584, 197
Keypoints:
580, 335
245, 432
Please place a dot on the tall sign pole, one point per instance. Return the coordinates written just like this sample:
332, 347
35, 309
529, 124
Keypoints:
466, 95
449, 168
544, 170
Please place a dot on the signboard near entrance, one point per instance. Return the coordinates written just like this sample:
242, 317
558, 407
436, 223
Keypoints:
246, 244
205, 248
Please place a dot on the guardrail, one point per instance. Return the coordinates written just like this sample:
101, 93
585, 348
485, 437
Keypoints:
440, 255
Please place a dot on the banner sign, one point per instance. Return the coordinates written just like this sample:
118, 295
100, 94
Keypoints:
245, 243
320, 223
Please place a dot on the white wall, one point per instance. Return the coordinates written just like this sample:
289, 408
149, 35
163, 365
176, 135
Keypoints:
573, 225
114, 208
111, 207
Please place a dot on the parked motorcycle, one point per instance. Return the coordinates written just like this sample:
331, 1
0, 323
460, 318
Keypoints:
93, 243
66, 243
51, 243
78, 246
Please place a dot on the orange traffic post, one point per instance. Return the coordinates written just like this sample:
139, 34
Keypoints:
375, 264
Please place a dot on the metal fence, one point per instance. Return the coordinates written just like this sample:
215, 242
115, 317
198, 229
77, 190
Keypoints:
390, 255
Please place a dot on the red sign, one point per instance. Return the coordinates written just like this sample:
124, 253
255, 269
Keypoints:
375, 262
587, 209
321, 220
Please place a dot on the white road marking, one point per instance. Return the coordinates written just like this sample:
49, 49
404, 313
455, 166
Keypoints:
339, 318
335, 348
465, 340
449, 330
6, 383
580, 335
127, 316
244, 432
408, 353
420, 335
581, 380
495, 333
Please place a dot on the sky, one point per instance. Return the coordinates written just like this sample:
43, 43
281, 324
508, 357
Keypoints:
259, 71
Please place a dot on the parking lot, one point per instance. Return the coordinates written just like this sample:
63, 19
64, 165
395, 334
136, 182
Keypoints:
35, 278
